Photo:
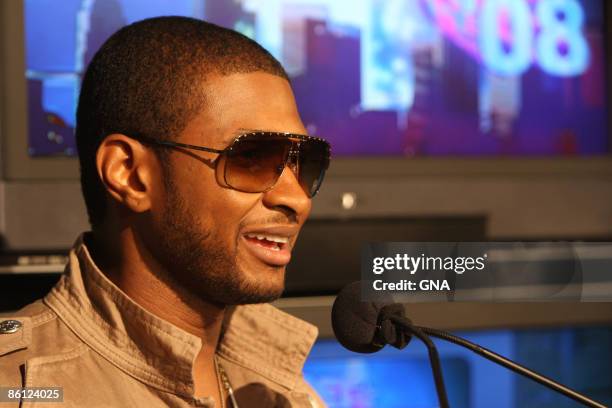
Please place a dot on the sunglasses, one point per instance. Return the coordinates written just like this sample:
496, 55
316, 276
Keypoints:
254, 161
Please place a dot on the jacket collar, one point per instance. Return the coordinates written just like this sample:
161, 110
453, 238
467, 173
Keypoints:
261, 338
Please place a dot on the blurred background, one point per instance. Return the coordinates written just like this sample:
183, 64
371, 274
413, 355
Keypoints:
450, 120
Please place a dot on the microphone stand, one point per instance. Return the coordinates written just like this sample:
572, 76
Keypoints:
434, 358
496, 358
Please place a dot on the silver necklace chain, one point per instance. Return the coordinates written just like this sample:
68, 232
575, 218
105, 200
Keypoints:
226, 384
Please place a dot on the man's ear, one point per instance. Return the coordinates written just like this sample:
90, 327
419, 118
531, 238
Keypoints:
126, 167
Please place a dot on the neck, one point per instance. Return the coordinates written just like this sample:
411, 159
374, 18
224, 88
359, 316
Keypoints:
134, 270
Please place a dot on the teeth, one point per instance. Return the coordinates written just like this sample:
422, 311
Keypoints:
272, 238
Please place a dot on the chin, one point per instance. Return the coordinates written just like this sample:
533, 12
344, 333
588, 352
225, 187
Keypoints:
243, 286
266, 285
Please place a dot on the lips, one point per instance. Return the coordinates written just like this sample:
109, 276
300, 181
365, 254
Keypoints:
273, 242
270, 245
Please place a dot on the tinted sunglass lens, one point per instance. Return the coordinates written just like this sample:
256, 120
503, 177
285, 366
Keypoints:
314, 160
255, 163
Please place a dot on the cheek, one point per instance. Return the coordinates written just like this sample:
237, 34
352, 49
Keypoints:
216, 209
221, 211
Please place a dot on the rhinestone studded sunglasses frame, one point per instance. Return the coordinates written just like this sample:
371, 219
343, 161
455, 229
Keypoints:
308, 155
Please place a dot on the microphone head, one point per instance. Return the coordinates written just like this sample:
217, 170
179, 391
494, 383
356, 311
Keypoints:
356, 323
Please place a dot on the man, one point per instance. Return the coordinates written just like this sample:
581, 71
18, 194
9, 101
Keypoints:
197, 179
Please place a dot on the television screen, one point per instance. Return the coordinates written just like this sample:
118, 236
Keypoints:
389, 379
374, 77
579, 358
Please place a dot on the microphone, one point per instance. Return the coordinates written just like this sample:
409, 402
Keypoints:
366, 327
358, 325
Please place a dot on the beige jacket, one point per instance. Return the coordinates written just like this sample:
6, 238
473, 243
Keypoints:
88, 337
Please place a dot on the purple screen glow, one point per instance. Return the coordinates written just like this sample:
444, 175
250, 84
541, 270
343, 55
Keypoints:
374, 77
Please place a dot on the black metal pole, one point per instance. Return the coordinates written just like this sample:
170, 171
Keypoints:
434, 358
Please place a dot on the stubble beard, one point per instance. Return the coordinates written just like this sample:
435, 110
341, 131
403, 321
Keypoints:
200, 263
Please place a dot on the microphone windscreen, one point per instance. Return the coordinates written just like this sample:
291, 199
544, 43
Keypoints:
354, 321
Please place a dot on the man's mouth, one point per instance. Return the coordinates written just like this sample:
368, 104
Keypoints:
273, 242
271, 248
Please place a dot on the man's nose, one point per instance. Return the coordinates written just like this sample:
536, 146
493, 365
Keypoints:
287, 192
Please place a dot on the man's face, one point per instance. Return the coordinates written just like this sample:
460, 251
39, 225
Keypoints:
207, 234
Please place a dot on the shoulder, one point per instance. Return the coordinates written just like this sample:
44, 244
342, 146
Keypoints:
33, 331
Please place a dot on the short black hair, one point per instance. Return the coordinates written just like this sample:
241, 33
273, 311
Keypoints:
147, 79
